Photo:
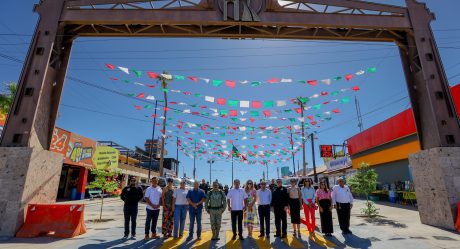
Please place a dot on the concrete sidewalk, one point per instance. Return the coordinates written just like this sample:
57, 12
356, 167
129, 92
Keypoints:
397, 227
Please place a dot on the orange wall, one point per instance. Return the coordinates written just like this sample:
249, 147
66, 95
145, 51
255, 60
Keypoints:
388, 155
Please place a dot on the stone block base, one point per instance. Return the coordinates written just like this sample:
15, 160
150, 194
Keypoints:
27, 175
436, 175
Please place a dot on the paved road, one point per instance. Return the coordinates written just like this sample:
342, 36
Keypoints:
396, 228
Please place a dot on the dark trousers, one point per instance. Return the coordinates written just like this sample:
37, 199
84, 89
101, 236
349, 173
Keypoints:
237, 215
152, 219
280, 221
264, 216
130, 213
343, 213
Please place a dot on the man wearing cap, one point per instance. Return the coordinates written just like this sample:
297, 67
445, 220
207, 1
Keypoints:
131, 195
280, 200
264, 199
342, 201
215, 206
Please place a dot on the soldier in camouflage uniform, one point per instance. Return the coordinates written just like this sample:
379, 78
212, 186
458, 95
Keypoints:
215, 206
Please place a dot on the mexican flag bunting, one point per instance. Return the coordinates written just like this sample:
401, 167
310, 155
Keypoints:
236, 153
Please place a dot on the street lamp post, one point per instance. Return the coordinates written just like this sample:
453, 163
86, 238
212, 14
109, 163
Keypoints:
312, 137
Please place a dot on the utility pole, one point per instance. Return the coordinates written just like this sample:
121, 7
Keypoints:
267, 169
358, 113
232, 169
313, 157
298, 101
153, 137
194, 160
278, 172
298, 166
177, 156
292, 151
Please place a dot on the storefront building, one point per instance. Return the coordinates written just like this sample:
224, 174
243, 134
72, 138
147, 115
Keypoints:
80, 155
386, 147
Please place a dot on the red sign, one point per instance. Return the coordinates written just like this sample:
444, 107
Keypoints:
326, 150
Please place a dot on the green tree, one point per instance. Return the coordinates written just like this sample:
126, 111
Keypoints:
164, 79
363, 182
106, 181
7, 97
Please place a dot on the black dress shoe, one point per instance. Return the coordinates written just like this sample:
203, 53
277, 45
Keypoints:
241, 237
284, 236
234, 237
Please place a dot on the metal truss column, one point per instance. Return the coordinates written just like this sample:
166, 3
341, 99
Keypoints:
32, 117
433, 106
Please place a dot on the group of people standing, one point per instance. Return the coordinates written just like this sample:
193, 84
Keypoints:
247, 206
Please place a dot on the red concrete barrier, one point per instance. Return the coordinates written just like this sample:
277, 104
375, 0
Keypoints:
457, 225
62, 221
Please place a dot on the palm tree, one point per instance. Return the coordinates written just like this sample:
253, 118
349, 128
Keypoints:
7, 97
164, 79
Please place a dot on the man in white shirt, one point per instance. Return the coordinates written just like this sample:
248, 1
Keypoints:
236, 204
264, 199
180, 210
342, 201
152, 196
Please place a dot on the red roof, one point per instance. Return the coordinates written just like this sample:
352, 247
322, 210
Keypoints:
396, 127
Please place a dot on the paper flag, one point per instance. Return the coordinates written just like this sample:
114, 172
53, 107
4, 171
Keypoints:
327, 81
336, 111
256, 83
232, 103
372, 70
223, 112
348, 77
360, 72
345, 100
254, 113
273, 80
137, 73
110, 66
244, 81
355, 88
179, 77
298, 110
209, 99
304, 100
150, 97
124, 70
312, 82
230, 83
334, 93
317, 107
267, 113
217, 82
286, 80
152, 75
138, 107
221, 101
256, 104
192, 78
243, 112
244, 103
140, 95
205, 80
268, 104
233, 113
280, 103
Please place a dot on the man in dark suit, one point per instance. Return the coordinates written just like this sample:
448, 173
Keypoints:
279, 203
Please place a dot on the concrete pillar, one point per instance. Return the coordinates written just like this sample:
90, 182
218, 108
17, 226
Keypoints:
82, 180
436, 175
27, 175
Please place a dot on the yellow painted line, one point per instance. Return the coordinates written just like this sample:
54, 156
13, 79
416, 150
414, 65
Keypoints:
263, 243
171, 243
205, 241
319, 239
293, 242
231, 244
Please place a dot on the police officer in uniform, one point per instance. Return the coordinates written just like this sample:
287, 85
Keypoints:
280, 198
215, 206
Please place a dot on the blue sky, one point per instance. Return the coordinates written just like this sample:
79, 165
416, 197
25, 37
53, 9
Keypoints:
90, 112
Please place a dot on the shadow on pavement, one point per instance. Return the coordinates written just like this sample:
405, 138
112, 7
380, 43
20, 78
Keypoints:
337, 242
382, 221
116, 244
354, 241
35, 240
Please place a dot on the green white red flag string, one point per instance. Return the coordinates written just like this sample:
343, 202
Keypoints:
232, 83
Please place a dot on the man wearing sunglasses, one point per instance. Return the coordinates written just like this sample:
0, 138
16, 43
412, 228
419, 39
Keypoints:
131, 195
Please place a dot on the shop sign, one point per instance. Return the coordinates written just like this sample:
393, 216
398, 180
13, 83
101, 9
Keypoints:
60, 141
339, 163
326, 150
80, 151
105, 157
